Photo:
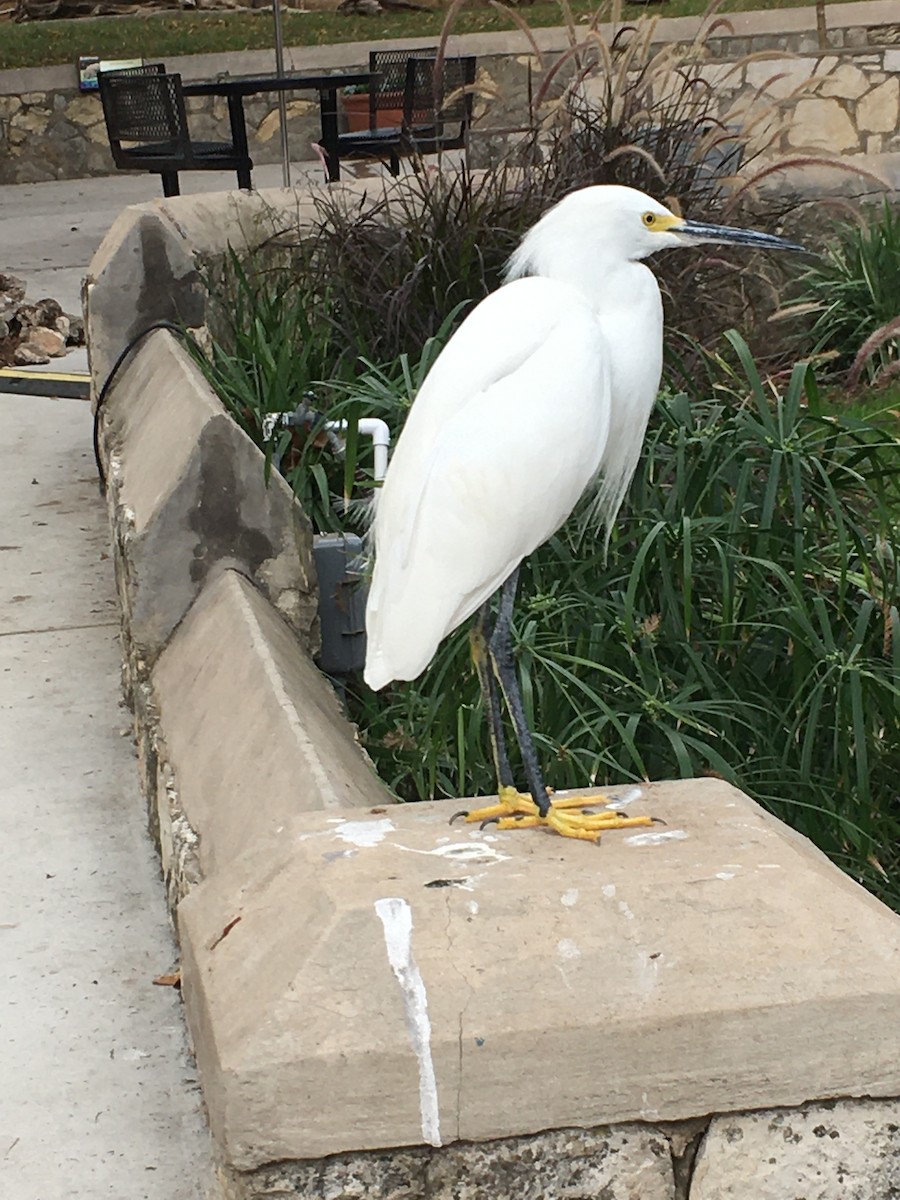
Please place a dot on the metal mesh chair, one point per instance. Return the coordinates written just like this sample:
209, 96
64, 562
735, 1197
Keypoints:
436, 106
148, 129
438, 103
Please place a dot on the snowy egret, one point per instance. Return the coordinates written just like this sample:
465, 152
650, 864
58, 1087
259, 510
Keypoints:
546, 387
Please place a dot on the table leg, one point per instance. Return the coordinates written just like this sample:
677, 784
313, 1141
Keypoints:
239, 138
328, 109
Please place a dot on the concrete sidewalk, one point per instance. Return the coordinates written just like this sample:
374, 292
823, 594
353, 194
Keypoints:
99, 1096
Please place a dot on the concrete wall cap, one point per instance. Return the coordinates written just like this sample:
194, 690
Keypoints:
252, 731
386, 980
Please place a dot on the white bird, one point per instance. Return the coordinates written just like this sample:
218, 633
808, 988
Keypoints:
545, 389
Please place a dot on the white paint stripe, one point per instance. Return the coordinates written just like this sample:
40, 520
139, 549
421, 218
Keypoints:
396, 917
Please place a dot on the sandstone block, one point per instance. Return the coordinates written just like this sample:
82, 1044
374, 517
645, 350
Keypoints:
189, 498
878, 111
845, 1150
603, 1164
779, 76
821, 124
378, 980
846, 81
233, 684
271, 122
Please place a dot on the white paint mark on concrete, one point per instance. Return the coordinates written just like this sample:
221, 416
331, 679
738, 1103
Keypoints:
770, 866
395, 915
472, 906
623, 799
463, 852
609, 891
570, 897
566, 948
656, 837
724, 874
364, 833
625, 911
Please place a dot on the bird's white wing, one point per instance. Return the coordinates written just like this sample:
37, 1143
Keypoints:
507, 431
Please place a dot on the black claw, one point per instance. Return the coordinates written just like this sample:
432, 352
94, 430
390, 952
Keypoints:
658, 821
463, 812
489, 821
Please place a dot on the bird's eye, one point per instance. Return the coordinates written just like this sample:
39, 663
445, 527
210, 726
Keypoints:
649, 219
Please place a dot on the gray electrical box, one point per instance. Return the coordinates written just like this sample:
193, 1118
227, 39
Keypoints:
342, 602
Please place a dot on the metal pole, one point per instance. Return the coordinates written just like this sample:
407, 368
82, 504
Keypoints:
282, 100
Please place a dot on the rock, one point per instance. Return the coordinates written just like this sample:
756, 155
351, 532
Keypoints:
29, 356
821, 125
62, 326
843, 1150
12, 289
45, 341
48, 311
76, 331
4, 328
878, 111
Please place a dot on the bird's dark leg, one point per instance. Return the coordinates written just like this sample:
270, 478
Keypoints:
494, 661
502, 660
493, 714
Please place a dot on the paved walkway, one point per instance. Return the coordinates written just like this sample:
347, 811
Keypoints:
99, 1096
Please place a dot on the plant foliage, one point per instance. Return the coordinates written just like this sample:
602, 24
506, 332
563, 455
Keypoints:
854, 290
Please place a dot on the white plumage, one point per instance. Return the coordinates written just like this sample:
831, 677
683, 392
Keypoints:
547, 383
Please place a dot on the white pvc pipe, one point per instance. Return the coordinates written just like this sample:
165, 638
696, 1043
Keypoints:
378, 431
372, 427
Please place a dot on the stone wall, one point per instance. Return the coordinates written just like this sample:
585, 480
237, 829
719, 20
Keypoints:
48, 130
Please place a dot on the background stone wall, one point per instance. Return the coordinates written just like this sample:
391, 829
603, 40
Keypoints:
48, 130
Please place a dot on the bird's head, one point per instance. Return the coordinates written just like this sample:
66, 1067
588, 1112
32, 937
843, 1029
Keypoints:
624, 225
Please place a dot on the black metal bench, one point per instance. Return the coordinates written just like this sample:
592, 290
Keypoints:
436, 100
148, 129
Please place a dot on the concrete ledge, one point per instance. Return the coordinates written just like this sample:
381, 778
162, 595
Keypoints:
249, 735
188, 498
149, 266
388, 981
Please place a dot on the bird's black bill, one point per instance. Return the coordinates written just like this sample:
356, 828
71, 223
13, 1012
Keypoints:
696, 231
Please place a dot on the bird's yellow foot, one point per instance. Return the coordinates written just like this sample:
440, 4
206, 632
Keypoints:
566, 815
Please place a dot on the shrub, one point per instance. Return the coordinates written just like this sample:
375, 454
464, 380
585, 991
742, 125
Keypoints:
854, 292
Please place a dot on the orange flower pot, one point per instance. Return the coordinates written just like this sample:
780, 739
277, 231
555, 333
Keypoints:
356, 111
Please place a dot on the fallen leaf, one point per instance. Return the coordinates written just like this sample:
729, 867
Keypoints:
171, 980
